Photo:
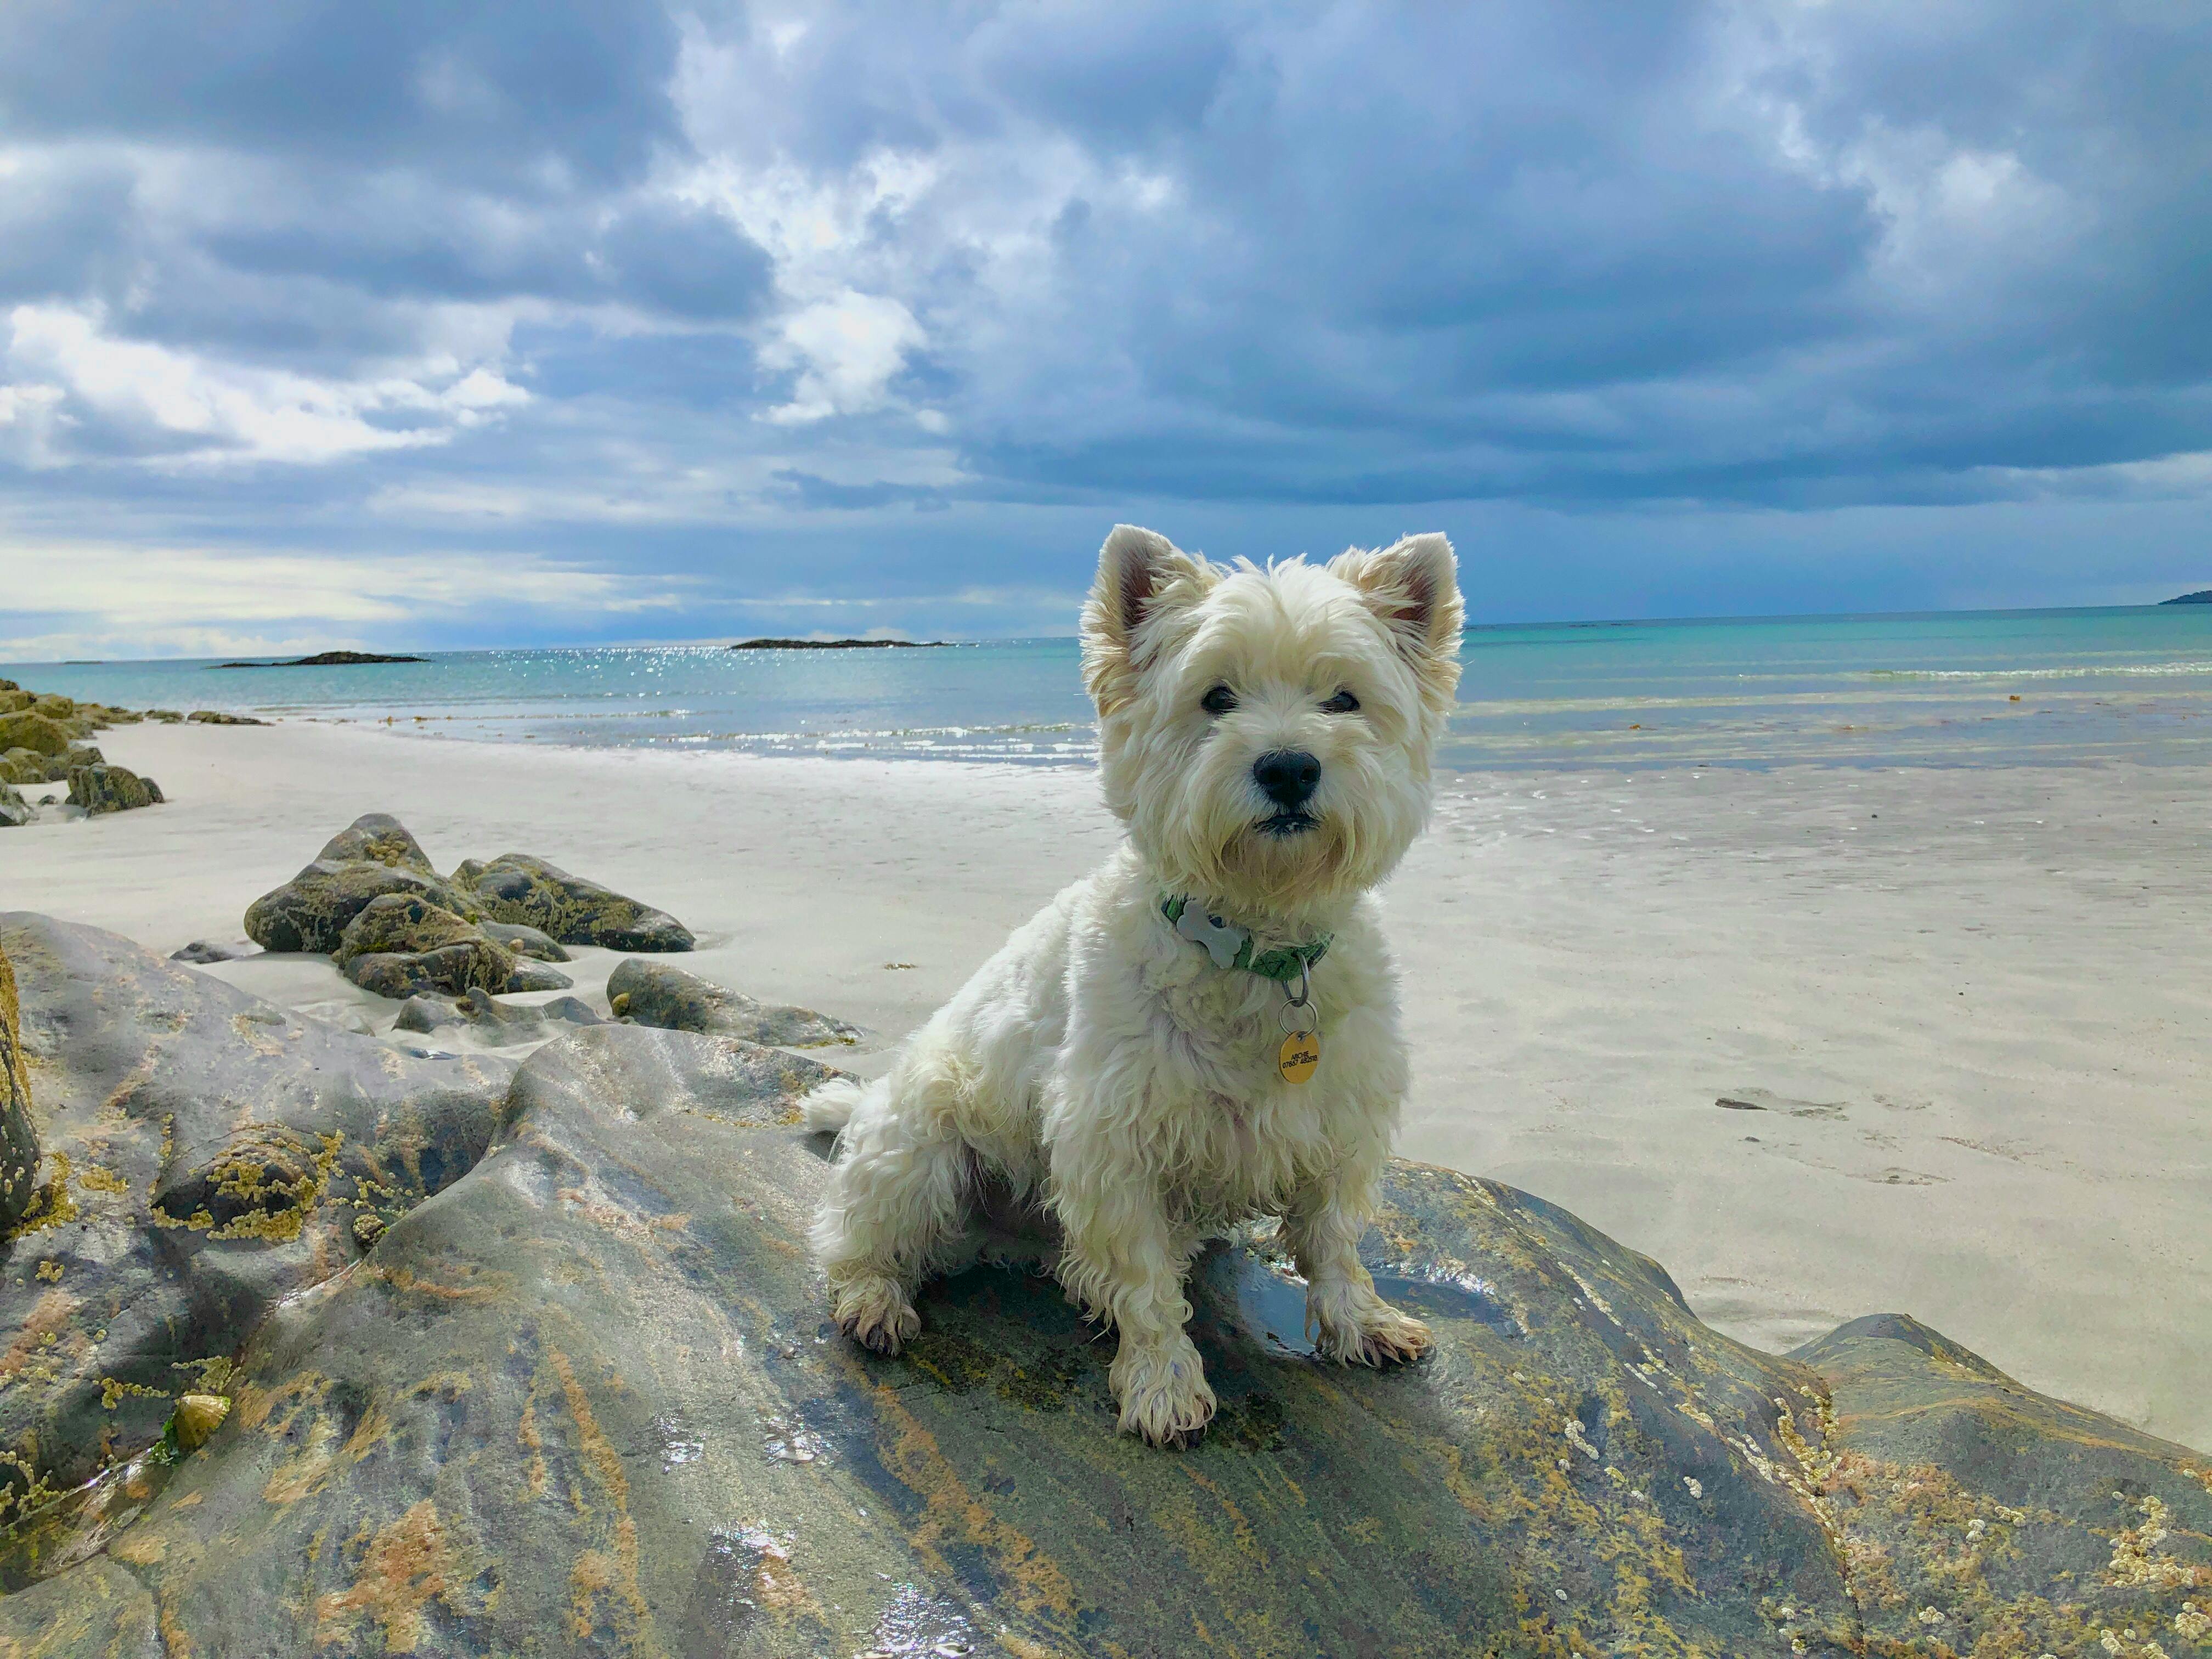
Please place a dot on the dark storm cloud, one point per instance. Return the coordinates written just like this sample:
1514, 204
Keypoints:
719, 287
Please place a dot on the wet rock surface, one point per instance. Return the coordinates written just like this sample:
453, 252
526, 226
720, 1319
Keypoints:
657, 993
502, 1022
519, 889
204, 1156
585, 1400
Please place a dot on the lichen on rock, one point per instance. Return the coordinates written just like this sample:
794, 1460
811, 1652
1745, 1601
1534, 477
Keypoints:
516, 887
659, 993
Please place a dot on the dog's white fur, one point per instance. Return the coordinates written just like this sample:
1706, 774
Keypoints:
1101, 1066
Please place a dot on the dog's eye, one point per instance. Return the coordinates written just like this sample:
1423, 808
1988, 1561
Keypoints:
1342, 703
1219, 701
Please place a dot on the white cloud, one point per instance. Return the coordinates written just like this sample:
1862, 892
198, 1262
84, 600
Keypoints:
75, 598
846, 350
191, 407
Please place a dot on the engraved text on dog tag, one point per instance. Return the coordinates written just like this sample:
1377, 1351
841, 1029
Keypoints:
1301, 1053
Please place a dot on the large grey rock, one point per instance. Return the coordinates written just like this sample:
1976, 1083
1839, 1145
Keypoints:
205, 1155
516, 887
656, 994
14, 811
585, 1400
100, 788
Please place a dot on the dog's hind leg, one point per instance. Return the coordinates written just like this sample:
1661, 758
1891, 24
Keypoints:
897, 1194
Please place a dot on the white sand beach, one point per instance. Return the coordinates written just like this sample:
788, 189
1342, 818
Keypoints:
1962, 1014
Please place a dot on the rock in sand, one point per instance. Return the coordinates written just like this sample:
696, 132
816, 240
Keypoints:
656, 994
100, 788
518, 888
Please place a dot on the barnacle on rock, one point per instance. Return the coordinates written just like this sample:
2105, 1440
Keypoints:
197, 1417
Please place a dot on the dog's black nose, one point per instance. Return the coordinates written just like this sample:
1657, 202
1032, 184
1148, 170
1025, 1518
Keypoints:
1287, 777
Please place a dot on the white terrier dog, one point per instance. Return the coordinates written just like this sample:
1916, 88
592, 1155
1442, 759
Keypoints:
1207, 1029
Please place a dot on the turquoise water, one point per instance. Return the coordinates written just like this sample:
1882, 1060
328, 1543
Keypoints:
1956, 689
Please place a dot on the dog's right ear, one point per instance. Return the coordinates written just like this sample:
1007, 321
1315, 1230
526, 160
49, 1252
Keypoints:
1142, 578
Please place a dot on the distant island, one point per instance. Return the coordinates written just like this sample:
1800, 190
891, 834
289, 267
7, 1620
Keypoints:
324, 659
839, 645
2202, 596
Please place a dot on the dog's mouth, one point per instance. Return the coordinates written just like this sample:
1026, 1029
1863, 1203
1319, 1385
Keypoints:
1289, 822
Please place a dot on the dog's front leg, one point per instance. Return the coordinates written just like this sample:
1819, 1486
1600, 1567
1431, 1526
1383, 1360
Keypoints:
1119, 1258
1353, 1324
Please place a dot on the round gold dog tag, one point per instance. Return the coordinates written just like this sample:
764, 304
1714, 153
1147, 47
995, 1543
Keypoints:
1300, 1055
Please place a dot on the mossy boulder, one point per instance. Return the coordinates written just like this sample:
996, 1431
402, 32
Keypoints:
22, 766
205, 1156
14, 811
35, 730
312, 911
98, 788
19, 1134
657, 993
216, 717
58, 767
525, 941
402, 945
378, 838
518, 888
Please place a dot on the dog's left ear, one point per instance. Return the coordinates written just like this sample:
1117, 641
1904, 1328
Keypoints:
1414, 587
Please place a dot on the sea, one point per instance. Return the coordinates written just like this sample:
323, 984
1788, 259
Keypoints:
1999, 687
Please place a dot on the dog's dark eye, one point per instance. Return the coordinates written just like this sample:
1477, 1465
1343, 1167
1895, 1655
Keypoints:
1219, 701
1342, 703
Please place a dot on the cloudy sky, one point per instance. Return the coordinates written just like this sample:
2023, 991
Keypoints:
434, 324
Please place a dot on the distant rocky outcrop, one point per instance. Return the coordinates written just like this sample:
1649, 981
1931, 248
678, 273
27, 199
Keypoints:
659, 993
100, 788
217, 717
528, 891
841, 645
324, 659
580, 1395
2202, 596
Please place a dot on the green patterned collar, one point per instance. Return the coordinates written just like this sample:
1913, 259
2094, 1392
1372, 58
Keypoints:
1231, 946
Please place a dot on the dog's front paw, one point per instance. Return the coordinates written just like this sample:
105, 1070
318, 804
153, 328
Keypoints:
875, 1311
1364, 1329
1163, 1393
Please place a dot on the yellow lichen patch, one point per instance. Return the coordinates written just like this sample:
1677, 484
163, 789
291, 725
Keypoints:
274, 1211
2134, 1565
113, 1391
605, 1465
50, 1204
51, 1271
950, 1510
98, 1179
410, 1562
